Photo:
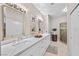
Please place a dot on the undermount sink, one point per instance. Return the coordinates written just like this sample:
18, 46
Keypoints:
38, 36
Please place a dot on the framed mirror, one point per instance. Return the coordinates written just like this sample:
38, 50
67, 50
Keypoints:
13, 22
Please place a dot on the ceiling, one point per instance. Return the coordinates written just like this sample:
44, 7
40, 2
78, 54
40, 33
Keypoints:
53, 9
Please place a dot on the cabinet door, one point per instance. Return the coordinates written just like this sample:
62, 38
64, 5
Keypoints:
74, 41
35, 50
38, 49
30, 52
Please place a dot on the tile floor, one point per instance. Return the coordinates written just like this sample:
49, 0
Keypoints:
57, 49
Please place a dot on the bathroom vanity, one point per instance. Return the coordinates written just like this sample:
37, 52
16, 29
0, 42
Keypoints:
15, 25
27, 47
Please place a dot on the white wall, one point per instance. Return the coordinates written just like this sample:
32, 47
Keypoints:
55, 22
73, 30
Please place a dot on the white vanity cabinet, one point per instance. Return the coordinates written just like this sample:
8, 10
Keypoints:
29, 47
37, 49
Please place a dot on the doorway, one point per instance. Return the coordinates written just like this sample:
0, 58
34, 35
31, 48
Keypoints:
63, 32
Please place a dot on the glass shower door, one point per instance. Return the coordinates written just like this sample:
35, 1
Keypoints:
63, 32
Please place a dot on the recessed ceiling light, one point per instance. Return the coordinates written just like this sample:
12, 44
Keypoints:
65, 9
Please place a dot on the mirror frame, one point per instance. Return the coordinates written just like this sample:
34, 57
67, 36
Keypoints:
4, 25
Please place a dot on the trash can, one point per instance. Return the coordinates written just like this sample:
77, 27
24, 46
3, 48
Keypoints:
54, 35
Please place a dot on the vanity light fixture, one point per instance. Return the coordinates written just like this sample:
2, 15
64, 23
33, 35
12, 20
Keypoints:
23, 8
15, 6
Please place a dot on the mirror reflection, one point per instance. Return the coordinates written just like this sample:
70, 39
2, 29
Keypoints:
13, 22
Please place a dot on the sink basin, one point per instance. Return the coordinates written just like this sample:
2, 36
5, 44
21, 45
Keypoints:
38, 36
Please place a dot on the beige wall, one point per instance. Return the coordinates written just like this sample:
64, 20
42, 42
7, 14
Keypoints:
33, 11
45, 24
1, 23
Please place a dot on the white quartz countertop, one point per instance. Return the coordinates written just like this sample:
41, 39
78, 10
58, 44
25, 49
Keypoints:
12, 49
